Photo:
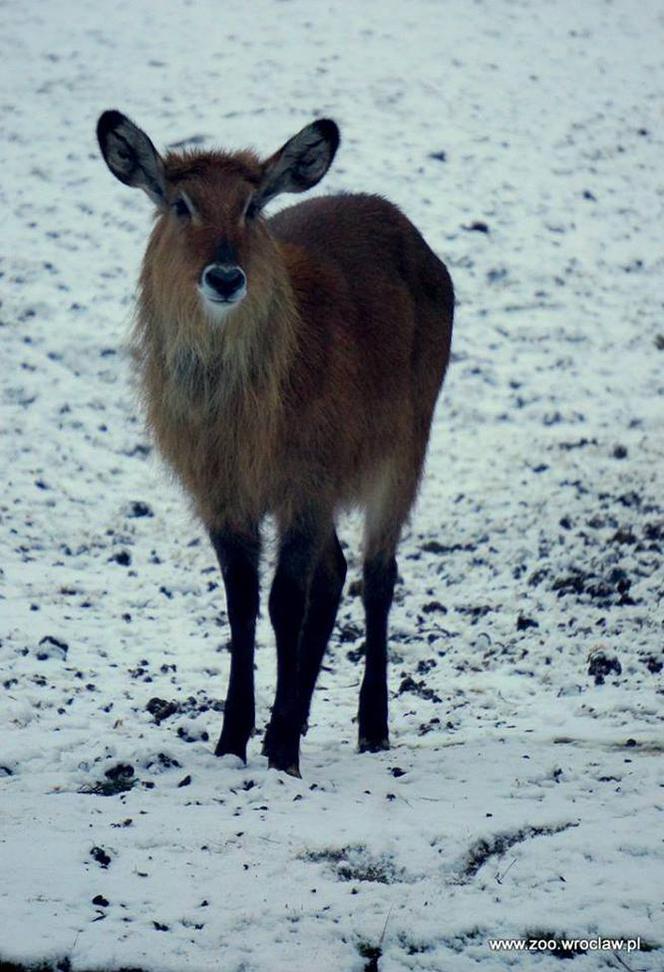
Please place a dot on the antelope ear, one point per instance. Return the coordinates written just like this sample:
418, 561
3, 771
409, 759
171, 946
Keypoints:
301, 162
131, 156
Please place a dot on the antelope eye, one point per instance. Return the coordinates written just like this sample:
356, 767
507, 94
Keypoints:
180, 208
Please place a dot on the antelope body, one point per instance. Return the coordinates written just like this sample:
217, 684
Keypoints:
289, 366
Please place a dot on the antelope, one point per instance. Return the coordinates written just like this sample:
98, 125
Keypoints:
289, 367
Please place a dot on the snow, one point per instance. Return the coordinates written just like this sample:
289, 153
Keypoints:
522, 794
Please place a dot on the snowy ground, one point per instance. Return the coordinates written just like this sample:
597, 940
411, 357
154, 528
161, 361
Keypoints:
524, 791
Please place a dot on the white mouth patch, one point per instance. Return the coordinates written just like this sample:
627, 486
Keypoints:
218, 307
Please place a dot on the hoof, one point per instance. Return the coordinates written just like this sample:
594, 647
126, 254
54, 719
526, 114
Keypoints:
281, 745
228, 747
292, 770
368, 745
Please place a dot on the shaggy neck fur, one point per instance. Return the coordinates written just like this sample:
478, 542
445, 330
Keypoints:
214, 392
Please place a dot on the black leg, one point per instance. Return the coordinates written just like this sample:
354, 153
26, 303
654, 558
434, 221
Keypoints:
238, 557
324, 597
298, 556
380, 575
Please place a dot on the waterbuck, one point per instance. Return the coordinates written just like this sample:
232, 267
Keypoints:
289, 367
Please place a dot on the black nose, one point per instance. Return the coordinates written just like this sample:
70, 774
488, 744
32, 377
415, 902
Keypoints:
224, 280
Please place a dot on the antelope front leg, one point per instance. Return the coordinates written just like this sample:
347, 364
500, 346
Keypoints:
324, 596
238, 557
298, 554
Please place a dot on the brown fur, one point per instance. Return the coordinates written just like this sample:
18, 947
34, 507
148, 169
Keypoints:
290, 367
317, 392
